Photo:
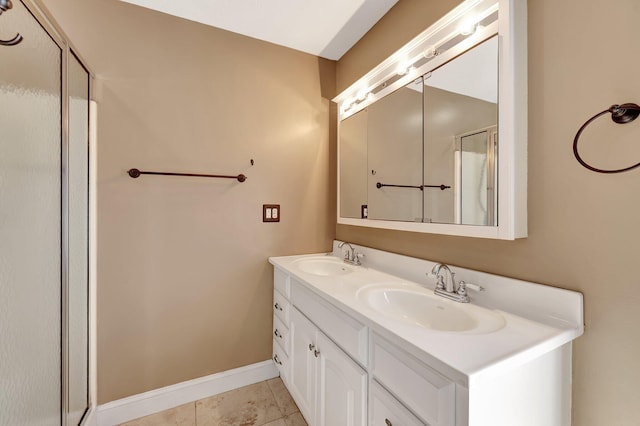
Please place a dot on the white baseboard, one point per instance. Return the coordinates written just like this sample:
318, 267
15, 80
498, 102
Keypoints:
144, 404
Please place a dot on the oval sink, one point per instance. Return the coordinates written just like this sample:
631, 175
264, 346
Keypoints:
426, 310
323, 266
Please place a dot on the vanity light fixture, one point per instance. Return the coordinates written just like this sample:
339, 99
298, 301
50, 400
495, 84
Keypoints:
437, 45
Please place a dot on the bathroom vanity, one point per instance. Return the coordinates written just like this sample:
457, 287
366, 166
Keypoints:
373, 345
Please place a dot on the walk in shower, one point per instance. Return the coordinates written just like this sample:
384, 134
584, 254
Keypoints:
44, 222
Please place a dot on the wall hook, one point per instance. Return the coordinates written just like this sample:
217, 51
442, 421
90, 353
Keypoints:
16, 40
621, 114
4, 6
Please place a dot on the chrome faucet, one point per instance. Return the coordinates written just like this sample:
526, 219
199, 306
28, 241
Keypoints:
448, 288
450, 283
350, 255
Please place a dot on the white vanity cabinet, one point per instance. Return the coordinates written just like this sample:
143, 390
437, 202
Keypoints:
328, 386
323, 353
346, 364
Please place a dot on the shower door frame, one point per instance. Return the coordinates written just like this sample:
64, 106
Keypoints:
44, 18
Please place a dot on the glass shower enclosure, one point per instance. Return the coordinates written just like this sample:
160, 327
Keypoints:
44, 222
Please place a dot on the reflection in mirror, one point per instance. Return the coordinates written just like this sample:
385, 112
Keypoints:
395, 155
475, 166
353, 166
460, 101
425, 152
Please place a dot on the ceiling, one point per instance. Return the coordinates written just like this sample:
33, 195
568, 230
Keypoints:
326, 28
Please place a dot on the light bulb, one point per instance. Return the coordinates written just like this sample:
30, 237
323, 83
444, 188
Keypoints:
467, 28
430, 52
404, 69
362, 95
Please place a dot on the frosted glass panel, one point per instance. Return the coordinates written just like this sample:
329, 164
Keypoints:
29, 224
473, 179
78, 80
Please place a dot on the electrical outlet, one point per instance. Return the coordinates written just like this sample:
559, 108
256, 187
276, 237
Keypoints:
271, 212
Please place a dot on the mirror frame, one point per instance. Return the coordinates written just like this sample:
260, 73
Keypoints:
511, 28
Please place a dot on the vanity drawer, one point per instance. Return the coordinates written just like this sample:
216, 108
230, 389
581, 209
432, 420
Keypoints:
429, 394
282, 282
281, 334
388, 411
281, 307
281, 360
345, 331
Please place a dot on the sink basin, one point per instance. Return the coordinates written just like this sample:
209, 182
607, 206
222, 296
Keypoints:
425, 310
324, 266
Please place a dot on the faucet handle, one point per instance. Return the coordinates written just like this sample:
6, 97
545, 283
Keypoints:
463, 286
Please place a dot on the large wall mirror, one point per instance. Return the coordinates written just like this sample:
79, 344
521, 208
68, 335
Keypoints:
434, 139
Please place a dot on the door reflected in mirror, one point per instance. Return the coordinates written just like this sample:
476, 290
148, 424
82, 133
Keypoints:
395, 155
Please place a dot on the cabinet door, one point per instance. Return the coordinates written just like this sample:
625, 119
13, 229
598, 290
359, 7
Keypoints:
303, 364
342, 387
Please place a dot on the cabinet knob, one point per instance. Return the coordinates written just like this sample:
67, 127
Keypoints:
278, 307
311, 346
388, 422
277, 360
316, 353
277, 333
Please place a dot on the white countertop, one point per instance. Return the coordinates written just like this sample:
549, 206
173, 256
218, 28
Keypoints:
544, 320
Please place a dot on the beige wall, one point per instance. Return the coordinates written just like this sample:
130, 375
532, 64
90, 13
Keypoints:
394, 151
583, 227
184, 286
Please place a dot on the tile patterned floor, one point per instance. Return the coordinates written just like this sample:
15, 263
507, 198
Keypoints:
262, 404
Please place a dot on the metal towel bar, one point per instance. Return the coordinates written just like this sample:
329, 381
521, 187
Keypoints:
420, 187
135, 173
